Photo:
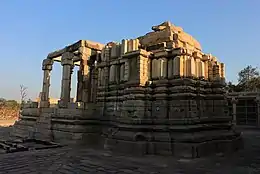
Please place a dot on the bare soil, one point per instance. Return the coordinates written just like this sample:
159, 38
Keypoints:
6, 123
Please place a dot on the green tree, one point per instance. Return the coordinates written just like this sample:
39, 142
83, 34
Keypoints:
230, 87
12, 104
2, 102
249, 79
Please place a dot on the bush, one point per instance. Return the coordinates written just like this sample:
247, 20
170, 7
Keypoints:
9, 109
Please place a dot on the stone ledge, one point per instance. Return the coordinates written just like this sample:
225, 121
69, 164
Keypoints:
183, 150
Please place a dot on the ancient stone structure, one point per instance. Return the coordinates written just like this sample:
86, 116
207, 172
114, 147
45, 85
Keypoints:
245, 108
155, 94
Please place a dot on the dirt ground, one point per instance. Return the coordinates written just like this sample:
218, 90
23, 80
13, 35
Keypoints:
6, 123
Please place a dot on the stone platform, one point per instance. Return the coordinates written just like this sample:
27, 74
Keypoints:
82, 160
193, 147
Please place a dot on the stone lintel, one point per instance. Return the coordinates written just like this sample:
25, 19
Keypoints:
74, 47
197, 55
121, 60
136, 53
76, 59
209, 57
70, 48
102, 64
114, 62
239, 94
94, 45
160, 54
181, 51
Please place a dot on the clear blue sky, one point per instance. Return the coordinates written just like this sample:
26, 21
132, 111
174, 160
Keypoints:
30, 29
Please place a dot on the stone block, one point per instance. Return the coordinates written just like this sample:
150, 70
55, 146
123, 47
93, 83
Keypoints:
30, 112
156, 37
162, 148
124, 46
184, 150
72, 105
159, 109
44, 104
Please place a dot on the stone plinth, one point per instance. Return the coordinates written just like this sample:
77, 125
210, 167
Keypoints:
176, 122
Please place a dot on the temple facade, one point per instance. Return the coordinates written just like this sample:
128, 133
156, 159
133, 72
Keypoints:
155, 94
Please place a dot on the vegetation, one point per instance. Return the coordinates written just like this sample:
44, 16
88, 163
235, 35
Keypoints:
248, 80
9, 109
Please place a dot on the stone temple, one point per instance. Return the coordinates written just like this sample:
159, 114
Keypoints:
155, 94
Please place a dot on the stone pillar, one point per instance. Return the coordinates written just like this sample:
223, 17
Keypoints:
154, 68
178, 66
44, 96
163, 68
143, 70
206, 70
122, 72
234, 110
170, 67
258, 109
85, 54
112, 73
124, 46
67, 63
210, 70
79, 85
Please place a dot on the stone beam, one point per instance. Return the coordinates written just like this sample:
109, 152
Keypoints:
76, 60
75, 48
71, 48
94, 45
57, 59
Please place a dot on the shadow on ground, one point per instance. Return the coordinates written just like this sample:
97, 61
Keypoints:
71, 159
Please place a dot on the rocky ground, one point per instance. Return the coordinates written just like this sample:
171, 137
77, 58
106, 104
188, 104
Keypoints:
83, 160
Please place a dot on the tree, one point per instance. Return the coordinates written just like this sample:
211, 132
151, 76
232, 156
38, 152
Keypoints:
248, 78
2, 102
230, 87
12, 104
23, 93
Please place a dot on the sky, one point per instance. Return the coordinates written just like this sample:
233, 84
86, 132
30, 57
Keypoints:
31, 29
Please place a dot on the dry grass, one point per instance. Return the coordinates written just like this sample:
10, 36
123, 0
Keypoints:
9, 113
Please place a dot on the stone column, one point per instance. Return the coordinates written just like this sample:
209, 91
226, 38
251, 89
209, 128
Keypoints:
122, 72
170, 68
258, 109
67, 63
112, 71
234, 109
44, 96
79, 85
